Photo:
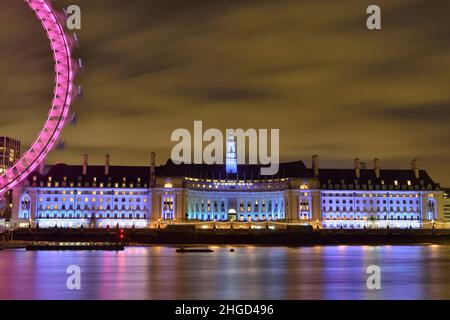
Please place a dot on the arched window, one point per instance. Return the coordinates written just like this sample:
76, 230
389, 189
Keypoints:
25, 207
431, 210
168, 206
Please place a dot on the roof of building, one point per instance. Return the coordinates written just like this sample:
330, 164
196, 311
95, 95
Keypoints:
59, 172
332, 178
401, 177
294, 169
389, 176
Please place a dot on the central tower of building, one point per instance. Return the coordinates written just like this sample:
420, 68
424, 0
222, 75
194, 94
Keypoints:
231, 159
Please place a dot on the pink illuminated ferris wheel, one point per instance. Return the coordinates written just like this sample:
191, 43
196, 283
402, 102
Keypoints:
65, 69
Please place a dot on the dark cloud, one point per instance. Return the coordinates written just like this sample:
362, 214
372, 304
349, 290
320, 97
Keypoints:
230, 94
309, 68
435, 113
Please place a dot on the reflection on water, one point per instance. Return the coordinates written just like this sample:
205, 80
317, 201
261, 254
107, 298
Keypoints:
332, 272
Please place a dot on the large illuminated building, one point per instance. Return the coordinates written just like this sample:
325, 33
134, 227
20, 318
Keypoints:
9, 154
214, 195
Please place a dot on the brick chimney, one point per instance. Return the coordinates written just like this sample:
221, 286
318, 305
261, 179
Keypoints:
107, 165
85, 164
42, 167
415, 168
357, 168
152, 169
315, 165
376, 167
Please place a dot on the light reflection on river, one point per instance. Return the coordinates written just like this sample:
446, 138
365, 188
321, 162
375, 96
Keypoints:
158, 272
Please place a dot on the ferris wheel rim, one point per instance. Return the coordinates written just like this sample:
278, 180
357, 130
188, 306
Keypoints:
52, 24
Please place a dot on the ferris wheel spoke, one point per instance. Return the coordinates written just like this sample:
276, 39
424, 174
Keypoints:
66, 68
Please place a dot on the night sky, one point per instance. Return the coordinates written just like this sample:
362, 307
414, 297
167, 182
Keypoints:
309, 68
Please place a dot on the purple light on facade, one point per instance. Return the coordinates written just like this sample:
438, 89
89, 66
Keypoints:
65, 70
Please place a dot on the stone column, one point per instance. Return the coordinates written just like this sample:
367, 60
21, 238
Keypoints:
315, 205
16, 194
155, 205
34, 205
423, 204
291, 211
439, 198
286, 205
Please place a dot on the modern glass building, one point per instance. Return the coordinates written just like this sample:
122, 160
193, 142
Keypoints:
9, 154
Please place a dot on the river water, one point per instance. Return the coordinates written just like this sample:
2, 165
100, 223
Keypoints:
252, 272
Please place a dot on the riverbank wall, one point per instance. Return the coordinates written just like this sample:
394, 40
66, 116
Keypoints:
296, 237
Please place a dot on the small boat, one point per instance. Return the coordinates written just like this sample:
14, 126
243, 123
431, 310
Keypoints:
183, 249
64, 246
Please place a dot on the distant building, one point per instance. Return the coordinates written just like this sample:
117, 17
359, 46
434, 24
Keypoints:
106, 196
9, 154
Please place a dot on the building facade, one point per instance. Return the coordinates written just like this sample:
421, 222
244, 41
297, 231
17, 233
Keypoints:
446, 206
9, 154
214, 195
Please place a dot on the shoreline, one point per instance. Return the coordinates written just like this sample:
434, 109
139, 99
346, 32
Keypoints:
23, 245
237, 237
